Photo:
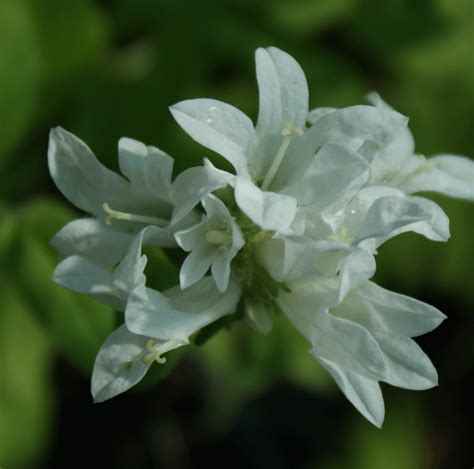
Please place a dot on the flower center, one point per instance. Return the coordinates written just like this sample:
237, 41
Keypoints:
155, 353
116, 215
218, 237
288, 132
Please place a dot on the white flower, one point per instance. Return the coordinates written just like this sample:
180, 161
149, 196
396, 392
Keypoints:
123, 361
296, 229
121, 207
213, 242
365, 339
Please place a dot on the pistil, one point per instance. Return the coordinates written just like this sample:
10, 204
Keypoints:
157, 352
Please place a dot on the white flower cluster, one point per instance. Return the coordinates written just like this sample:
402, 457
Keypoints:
294, 229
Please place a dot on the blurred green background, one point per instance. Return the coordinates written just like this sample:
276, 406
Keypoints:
106, 69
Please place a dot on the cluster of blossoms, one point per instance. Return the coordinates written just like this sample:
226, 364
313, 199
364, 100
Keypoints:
293, 229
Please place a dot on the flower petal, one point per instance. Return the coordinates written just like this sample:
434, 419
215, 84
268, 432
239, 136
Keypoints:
193, 185
119, 365
83, 276
221, 272
354, 125
435, 225
196, 264
333, 177
219, 127
269, 210
283, 91
346, 343
105, 245
364, 394
451, 175
357, 266
407, 365
82, 179
149, 171
183, 312
390, 216
400, 314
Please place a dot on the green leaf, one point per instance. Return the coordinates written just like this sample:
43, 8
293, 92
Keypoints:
25, 388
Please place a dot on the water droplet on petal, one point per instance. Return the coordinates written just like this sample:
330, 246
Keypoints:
353, 212
209, 121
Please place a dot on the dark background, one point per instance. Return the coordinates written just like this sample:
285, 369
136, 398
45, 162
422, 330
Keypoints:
106, 69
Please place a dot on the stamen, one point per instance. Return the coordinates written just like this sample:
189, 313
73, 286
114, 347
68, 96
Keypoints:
288, 132
218, 237
115, 214
157, 352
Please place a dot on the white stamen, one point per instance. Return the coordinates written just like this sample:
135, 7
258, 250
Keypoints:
287, 133
115, 214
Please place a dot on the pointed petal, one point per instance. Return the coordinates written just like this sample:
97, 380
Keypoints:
119, 364
192, 185
357, 267
352, 126
269, 210
219, 127
407, 365
390, 216
451, 175
221, 272
400, 314
82, 179
191, 238
183, 313
364, 394
83, 276
333, 177
346, 343
283, 91
435, 225
130, 272
149, 171
391, 159
105, 245
196, 265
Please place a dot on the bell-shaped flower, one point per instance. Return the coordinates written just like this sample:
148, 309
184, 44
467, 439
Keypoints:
365, 339
279, 151
212, 243
156, 323
121, 207
124, 359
